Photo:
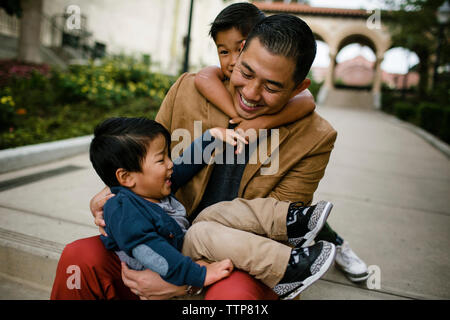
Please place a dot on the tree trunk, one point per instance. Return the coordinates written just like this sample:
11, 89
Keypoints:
30, 31
423, 69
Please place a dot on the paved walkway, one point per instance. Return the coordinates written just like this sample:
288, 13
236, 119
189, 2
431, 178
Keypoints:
389, 187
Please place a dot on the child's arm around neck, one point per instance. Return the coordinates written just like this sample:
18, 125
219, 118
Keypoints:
209, 82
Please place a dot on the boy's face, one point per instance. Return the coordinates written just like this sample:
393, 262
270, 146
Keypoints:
153, 182
229, 43
262, 82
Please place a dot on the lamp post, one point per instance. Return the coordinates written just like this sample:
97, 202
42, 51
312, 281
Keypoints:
188, 40
443, 16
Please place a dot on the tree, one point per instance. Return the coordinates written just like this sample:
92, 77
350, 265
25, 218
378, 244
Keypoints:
414, 25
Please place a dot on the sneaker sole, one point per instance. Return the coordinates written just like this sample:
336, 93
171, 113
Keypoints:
357, 279
309, 281
354, 277
325, 207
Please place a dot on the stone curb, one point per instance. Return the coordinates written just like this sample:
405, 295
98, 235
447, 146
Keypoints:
22, 157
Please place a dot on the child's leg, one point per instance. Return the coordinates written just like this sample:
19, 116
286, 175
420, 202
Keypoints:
263, 258
263, 216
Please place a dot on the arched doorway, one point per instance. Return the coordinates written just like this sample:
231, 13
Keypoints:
355, 63
399, 69
320, 66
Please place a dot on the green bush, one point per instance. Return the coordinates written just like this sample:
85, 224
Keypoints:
314, 87
387, 101
435, 119
39, 105
405, 110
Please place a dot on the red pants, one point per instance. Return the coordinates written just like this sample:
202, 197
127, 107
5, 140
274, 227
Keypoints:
101, 278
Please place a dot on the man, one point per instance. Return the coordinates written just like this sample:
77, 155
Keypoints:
271, 70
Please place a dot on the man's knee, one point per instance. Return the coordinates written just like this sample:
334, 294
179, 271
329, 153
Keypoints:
85, 253
240, 286
85, 266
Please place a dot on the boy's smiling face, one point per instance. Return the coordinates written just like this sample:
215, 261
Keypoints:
153, 182
229, 44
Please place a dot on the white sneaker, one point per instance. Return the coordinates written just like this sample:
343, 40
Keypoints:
354, 268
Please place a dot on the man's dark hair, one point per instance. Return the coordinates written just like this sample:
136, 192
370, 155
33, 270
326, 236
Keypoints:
123, 143
289, 36
242, 16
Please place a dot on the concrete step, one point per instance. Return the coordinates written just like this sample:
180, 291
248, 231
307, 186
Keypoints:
16, 289
42, 209
349, 99
9, 50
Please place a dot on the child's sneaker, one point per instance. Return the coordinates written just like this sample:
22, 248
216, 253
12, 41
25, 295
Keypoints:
353, 267
303, 223
305, 266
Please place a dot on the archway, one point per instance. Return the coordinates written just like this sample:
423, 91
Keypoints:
320, 66
355, 67
399, 69
355, 62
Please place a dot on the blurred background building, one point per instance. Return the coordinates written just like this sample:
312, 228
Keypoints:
354, 46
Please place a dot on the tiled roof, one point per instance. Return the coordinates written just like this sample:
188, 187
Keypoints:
281, 7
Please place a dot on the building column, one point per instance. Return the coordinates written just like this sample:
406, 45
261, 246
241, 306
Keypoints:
329, 79
330, 72
30, 31
377, 80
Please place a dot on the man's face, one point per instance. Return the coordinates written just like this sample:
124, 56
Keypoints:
228, 44
262, 82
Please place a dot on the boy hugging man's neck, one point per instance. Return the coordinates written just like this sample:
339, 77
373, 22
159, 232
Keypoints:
229, 31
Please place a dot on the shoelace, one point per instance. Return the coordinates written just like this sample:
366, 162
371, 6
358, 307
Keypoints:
296, 254
294, 209
347, 254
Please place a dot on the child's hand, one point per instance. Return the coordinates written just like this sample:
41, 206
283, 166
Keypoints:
230, 137
218, 270
257, 123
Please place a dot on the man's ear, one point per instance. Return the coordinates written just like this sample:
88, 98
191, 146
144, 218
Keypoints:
125, 178
301, 86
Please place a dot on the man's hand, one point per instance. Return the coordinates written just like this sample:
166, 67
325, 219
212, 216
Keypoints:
148, 285
96, 205
217, 270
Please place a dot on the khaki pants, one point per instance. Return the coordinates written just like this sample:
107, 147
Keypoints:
245, 231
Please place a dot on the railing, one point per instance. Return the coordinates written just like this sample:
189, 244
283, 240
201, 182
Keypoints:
9, 25
55, 33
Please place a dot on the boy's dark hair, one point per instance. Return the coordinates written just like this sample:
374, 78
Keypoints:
242, 16
289, 36
123, 143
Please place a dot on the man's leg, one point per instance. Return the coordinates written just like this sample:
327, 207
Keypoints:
239, 286
87, 271
263, 258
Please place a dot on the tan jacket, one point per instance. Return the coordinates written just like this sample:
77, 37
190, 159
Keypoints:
304, 149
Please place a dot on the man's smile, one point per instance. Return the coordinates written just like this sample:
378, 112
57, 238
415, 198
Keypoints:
246, 105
